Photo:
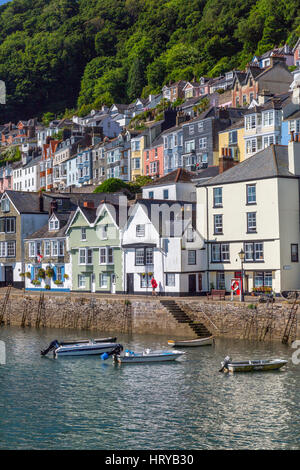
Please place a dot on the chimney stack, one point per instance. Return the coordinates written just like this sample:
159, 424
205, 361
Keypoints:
294, 154
41, 201
226, 161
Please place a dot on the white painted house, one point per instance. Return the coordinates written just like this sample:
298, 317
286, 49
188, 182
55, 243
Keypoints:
253, 206
27, 177
175, 186
160, 241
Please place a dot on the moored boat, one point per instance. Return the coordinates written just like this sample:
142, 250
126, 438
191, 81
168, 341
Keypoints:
252, 365
147, 356
192, 342
82, 348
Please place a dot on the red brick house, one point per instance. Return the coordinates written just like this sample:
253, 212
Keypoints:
249, 84
174, 91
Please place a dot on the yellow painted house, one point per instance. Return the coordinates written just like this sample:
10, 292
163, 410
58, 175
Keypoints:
231, 141
138, 144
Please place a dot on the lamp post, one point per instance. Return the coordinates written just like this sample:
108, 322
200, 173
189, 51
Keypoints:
242, 258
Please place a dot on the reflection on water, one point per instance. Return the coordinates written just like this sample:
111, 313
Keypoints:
84, 403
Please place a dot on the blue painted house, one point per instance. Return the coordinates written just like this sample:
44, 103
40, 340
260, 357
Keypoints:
47, 261
84, 165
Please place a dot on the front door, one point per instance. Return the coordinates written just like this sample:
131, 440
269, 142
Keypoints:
130, 283
113, 283
192, 283
9, 275
93, 283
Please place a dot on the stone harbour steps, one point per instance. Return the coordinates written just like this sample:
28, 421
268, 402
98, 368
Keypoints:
181, 317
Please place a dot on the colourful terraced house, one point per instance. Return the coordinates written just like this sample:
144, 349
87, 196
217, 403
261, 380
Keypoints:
94, 244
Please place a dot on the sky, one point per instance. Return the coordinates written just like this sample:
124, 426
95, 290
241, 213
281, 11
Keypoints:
3, 1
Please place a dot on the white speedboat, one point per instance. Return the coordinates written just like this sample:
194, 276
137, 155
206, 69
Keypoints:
83, 348
192, 342
249, 366
147, 356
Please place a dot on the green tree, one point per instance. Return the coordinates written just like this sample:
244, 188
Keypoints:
111, 185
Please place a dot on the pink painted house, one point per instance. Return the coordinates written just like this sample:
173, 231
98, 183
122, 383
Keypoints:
6, 178
154, 159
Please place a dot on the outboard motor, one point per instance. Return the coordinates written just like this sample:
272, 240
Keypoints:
52, 346
115, 352
225, 363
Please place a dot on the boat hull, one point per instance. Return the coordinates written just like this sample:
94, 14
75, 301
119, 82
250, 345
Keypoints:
148, 358
252, 366
85, 349
192, 343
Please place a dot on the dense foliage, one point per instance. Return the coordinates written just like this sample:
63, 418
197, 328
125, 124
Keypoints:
114, 185
58, 54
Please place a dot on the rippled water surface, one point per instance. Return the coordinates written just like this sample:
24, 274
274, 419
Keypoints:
85, 403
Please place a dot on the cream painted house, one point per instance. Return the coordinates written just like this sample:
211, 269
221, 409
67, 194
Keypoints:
253, 206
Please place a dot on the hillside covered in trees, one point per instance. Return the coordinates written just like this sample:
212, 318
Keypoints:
67, 54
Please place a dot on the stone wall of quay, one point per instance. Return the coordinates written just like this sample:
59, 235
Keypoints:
243, 320
147, 316
112, 315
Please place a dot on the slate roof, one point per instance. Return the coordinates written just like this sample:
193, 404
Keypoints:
275, 102
236, 125
44, 232
177, 176
206, 173
268, 163
26, 202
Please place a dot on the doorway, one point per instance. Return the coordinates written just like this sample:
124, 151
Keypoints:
130, 283
192, 283
113, 283
9, 275
93, 283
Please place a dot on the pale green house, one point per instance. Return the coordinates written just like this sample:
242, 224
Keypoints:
94, 245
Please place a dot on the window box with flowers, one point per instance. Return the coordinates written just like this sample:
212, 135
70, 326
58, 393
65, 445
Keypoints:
58, 283
262, 290
36, 282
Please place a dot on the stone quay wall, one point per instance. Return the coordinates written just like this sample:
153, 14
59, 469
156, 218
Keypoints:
243, 320
148, 316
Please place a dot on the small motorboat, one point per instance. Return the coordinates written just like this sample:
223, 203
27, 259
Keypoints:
146, 356
250, 366
192, 342
81, 348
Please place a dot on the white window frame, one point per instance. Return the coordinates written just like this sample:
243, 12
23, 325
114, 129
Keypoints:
81, 281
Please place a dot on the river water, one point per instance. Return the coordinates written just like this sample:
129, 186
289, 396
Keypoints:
85, 403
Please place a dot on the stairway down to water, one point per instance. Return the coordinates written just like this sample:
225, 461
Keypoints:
181, 317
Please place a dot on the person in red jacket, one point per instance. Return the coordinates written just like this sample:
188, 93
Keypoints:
154, 286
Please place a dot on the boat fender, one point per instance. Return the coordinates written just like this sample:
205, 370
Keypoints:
104, 356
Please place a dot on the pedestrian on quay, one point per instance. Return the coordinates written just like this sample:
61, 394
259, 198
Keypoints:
154, 286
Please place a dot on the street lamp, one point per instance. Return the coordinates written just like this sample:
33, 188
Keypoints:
242, 258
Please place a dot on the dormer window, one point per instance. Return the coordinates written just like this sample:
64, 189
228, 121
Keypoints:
53, 224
